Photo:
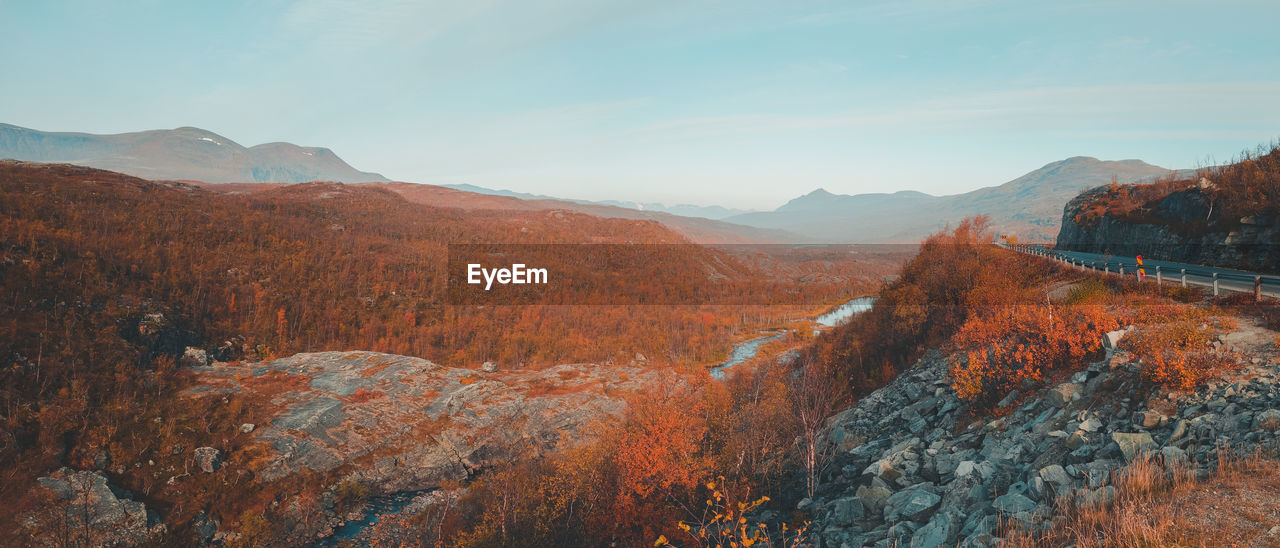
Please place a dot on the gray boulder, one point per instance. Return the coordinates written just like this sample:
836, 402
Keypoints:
883, 469
1173, 455
846, 511
208, 459
1111, 340
1133, 445
940, 531
1147, 419
1268, 420
194, 357
873, 498
912, 504
1014, 503
1055, 475
966, 468
1062, 394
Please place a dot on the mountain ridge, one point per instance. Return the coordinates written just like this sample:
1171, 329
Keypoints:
186, 153
1029, 205
713, 212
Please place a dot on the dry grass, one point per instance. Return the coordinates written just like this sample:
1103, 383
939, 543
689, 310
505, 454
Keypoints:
539, 387
273, 383
1236, 505
363, 395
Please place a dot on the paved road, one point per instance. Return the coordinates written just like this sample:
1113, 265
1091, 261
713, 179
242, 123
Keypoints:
1199, 275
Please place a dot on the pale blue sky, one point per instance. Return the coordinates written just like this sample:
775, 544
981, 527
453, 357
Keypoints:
738, 103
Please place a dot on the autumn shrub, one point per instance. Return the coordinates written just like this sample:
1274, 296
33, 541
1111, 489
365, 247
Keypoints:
955, 274
1184, 294
1088, 291
1177, 354
351, 492
725, 522
1006, 346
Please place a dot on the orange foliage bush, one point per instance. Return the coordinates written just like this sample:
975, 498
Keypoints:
960, 284
1177, 354
1008, 345
725, 523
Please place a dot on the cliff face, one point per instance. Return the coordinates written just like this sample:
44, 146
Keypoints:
1182, 226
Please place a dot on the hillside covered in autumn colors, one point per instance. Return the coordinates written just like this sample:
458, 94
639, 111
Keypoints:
116, 287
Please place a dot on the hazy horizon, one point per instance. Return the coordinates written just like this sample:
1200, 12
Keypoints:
742, 105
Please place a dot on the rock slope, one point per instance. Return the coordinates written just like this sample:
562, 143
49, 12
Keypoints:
399, 424
405, 423
92, 512
1181, 227
909, 471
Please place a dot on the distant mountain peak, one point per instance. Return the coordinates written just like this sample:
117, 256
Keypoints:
1088, 161
1029, 206
184, 153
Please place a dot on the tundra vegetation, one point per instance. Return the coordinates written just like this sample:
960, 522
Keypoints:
108, 279
113, 286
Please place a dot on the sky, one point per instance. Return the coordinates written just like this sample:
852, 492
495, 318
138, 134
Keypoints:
737, 103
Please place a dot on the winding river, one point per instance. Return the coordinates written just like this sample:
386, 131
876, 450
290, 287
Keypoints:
845, 311
749, 349
745, 351
377, 507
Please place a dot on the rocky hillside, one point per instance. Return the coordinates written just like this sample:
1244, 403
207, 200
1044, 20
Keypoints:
1180, 223
1221, 216
377, 423
185, 153
913, 468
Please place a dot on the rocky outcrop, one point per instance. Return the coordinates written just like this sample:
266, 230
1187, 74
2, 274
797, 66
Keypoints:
1181, 227
400, 424
909, 472
85, 510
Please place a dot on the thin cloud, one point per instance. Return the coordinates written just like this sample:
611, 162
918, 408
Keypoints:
1056, 108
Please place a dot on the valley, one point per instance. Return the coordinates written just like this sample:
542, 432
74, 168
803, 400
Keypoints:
405, 274
283, 367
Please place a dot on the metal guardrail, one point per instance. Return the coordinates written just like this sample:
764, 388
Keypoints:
1157, 273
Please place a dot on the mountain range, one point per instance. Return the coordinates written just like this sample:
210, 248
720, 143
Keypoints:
185, 153
1029, 206
713, 212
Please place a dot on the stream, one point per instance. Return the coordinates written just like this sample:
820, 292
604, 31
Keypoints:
376, 507
745, 351
836, 316
845, 311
